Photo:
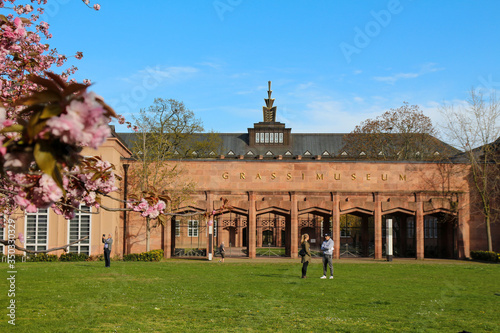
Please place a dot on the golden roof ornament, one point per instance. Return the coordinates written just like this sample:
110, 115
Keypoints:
269, 110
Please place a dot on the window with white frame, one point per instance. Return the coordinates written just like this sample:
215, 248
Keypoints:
37, 230
192, 228
79, 227
269, 137
177, 228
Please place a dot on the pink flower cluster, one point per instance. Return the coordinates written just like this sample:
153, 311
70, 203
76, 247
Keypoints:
3, 123
83, 124
101, 185
29, 192
11, 33
85, 183
148, 209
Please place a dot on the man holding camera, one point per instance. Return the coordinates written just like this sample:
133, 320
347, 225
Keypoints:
107, 249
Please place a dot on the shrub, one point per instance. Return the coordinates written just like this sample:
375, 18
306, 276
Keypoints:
154, 255
38, 257
98, 257
71, 256
485, 256
17, 258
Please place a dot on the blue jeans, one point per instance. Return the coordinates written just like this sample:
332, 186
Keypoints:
327, 260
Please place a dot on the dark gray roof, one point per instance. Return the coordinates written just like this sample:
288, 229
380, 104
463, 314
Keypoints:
302, 144
307, 145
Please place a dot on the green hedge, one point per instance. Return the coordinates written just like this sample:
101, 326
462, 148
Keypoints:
154, 255
41, 257
97, 257
485, 256
70, 256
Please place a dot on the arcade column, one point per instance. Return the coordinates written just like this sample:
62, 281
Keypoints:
377, 219
335, 226
419, 227
252, 226
463, 226
167, 237
294, 227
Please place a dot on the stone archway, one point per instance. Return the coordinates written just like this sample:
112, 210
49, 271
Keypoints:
315, 222
440, 236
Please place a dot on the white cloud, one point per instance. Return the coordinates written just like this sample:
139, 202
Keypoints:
161, 73
211, 64
425, 69
303, 86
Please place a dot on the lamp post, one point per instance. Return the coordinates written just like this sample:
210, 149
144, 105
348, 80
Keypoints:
210, 249
125, 190
388, 239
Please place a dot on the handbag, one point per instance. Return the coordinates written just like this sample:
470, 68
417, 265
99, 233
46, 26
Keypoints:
302, 252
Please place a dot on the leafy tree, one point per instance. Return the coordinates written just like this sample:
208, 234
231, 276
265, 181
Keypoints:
473, 127
404, 133
166, 131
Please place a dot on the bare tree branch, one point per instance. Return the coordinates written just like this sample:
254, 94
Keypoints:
64, 247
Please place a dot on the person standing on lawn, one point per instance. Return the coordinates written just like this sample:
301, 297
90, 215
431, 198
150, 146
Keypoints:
306, 250
222, 250
327, 249
107, 249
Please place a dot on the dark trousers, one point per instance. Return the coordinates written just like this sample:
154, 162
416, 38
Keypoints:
107, 260
304, 268
327, 262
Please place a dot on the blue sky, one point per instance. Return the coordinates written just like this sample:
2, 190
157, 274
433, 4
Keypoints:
332, 63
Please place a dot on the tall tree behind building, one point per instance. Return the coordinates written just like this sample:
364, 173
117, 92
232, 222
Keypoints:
167, 132
474, 128
404, 133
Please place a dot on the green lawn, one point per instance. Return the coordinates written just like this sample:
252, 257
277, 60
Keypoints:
258, 295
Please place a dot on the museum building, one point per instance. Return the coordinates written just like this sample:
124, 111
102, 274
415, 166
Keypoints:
281, 185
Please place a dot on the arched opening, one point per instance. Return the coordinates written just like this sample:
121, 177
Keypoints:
272, 234
315, 223
403, 235
231, 228
352, 237
188, 233
439, 236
